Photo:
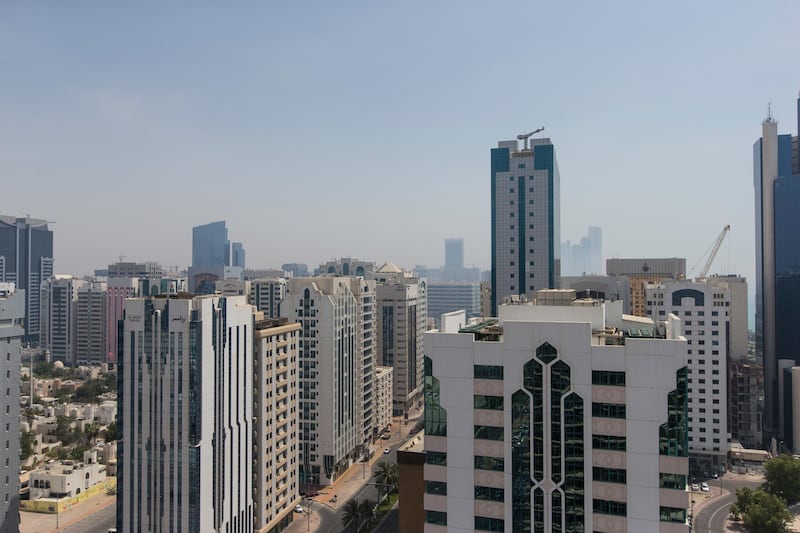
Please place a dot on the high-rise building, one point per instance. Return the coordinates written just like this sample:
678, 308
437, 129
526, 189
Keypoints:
26, 260
776, 167
296, 270
117, 291
526, 240
402, 315
643, 271
267, 295
275, 412
237, 255
186, 415
453, 254
213, 258
709, 310
91, 331
445, 297
337, 363
552, 418
12, 316
584, 257
59, 317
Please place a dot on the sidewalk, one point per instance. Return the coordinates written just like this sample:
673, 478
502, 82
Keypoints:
41, 522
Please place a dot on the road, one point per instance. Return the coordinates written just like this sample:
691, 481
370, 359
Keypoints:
98, 522
713, 516
331, 520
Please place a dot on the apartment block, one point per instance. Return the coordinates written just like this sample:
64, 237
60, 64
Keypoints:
91, 327
561, 415
642, 271
12, 318
346, 266
267, 295
59, 317
445, 297
384, 376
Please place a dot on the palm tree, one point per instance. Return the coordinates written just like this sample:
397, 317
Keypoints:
387, 474
351, 512
365, 511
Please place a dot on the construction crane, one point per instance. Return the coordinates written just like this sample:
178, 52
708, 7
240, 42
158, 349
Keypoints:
525, 136
714, 249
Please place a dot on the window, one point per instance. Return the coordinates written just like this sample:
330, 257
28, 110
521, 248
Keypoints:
673, 514
490, 494
671, 481
609, 475
488, 432
483, 462
487, 372
436, 517
436, 487
609, 508
436, 458
488, 402
608, 410
609, 442
600, 377
483, 523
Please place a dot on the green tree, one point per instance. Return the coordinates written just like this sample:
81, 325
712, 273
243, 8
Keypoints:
766, 513
351, 513
90, 390
26, 442
744, 498
387, 474
111, 431
783, 477
365, 508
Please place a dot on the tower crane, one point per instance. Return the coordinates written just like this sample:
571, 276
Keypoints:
704, 273
525, 136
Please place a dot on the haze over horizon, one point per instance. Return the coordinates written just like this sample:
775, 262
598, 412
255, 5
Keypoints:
321, 131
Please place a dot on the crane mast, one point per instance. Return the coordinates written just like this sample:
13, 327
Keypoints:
704, 273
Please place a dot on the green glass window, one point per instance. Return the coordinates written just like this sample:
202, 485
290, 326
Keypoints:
436, 458
673, 514
609, 442
490, 493
436, 487
489, 463
609, 475
436, 517
608, 410
609, 508
602, 377
673, 435
671, 481
488, 402
488, 432
487, 372
435, 416
521, 460
483, 523
574, 477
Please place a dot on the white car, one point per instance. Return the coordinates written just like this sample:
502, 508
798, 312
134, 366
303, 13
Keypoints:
704, 487
299, 509
387, 450
695, 486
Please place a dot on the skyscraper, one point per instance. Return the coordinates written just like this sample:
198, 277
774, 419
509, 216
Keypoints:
213, 258
776, 167
453, 254
90, 321
526, 241
12, 315
186, 415
26, 259
59, 317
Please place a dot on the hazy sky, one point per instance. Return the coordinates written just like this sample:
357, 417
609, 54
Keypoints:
323, 129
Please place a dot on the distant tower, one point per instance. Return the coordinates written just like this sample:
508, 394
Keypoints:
454, 254
526, 241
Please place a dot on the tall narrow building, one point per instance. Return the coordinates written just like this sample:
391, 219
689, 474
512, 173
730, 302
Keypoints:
26, 260
776, 167
12, 316
561, 416
525, 201
91, 329
186, 415
59, 325
337, 364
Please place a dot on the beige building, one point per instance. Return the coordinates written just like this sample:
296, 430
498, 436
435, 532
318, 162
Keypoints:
383, 398
65, 479
275, 410
643, 271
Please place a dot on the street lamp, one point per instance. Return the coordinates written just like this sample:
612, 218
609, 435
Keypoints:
309, 501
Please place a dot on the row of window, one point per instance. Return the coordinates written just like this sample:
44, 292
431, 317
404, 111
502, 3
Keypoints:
488, 432
482, 401
487, 372
609, 475
608, 410
601, 377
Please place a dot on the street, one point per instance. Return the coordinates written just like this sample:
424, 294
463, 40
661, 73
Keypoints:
713, 516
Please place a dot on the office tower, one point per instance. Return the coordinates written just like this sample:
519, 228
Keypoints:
552, 418
346, 266
275, 412
453, 254
606, 288
59, 320
91, 333
402, 315
585, 257
26, 259
211, 257
526, 240
267, 295
709, 311
237, 255
296, 270
337, 358
444, 297
12, 317
643, 271
118, 289
776, 166
123, 269
186, 415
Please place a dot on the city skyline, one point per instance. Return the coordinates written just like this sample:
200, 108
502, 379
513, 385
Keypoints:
114, 112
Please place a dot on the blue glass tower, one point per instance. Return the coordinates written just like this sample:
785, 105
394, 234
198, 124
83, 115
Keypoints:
776, 167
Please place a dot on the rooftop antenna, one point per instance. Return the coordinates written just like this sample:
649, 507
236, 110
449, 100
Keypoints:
525, 136
769, 111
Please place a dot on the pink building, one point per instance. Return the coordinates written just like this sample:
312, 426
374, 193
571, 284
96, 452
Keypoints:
118, 290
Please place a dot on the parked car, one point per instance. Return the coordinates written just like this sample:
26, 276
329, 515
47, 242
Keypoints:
695, 486
386, 450
704, 487
298, 509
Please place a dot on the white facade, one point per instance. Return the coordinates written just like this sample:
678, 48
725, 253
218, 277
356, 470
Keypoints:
275, 408
186, 415
66, 479
337, 358
401, 312
705, 309
12, 317
557, 416
59, 317
267, 295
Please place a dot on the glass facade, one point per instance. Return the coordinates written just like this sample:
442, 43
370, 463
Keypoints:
602, 377
489, 463
436, 517
674, 433
436, 458
487, 372
435, 415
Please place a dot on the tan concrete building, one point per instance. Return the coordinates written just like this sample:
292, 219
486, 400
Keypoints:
644, 271
383, 399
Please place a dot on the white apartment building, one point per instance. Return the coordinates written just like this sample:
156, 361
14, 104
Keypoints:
401, 323
267, 294
65, 479
186, 415
383, 398
337, 358
714, 320
59, 317
276, 418
91, 331
568, 416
